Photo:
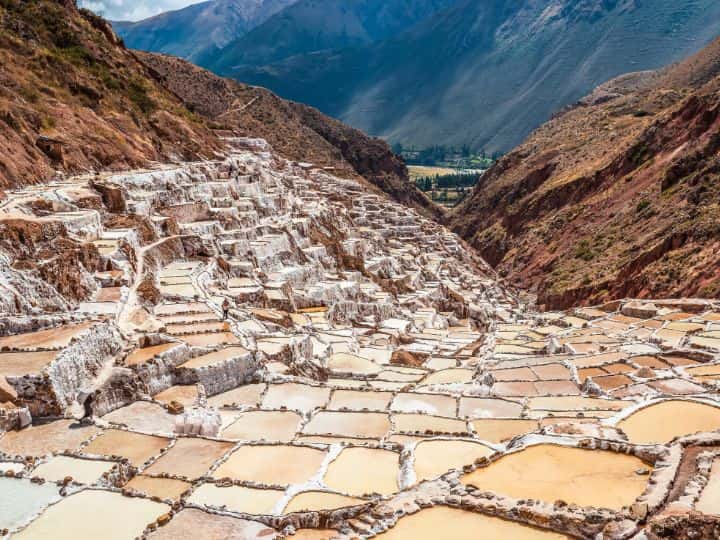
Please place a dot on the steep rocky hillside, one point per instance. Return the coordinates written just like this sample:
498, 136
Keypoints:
199, 29
618, 196
65, 77
297, 131
483, 73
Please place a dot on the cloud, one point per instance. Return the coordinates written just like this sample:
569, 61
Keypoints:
132, 10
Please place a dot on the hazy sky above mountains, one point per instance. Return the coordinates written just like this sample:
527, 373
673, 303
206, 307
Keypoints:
132, 10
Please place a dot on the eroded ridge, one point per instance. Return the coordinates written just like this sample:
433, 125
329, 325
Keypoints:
255, 348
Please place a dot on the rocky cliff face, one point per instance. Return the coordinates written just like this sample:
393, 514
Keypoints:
615, 197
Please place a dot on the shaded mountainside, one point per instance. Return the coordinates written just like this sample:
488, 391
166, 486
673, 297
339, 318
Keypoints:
297, 131
617, 196
65, 77
311, 25
199, 29
482, 73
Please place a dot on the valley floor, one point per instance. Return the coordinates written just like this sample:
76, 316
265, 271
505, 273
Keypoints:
265, 350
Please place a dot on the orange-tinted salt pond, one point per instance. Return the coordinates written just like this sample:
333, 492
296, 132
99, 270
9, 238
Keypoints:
300, 397
189, 458
410, 423
136, 447
709, 501
94, 514
43, 439
497, 430
358, 400
434, 458
662, 422
462, 525
191, 524
139, 356
361, 471
22, 363
277, 465
163, 488
550, 472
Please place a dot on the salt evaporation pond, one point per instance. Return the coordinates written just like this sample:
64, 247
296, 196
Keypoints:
20, 500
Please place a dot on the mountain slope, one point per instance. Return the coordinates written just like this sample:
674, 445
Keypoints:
311, 25
199, 29
487, 73
65, 77
618, 196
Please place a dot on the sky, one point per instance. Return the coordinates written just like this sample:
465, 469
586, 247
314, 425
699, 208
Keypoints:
132, 10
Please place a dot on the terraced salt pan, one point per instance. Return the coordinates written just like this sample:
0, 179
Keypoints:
299, 397
348, 424
238, 499
191, 524
461, 525
361, 471
140, 356
357, 400
189, 458
20, 500
449, 376
248, 395
349, 363
93, 514
471, 407
550, 472
43, 439
84, 471
22, 363
136, 447
497, 430
187, 395
163, 488
143, 416
436, 404
662, 422
435, 458
209, 340
53, 338
278, 426
709, 501
410, 423
276, 465
320, 500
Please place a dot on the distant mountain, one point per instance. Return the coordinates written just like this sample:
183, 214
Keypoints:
199, 29
484, 73
308, 26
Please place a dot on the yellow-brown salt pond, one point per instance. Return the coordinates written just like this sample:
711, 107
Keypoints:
435, 458
243, 396
237, 498
136, 447
209, 339
550, 472
361, 471
448, 376
276, 465
163, 488
320, 500
315, 534
662, 422
277, 426
437, 404
497, 430
94, 514
187, 395
462, 525
189, 458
